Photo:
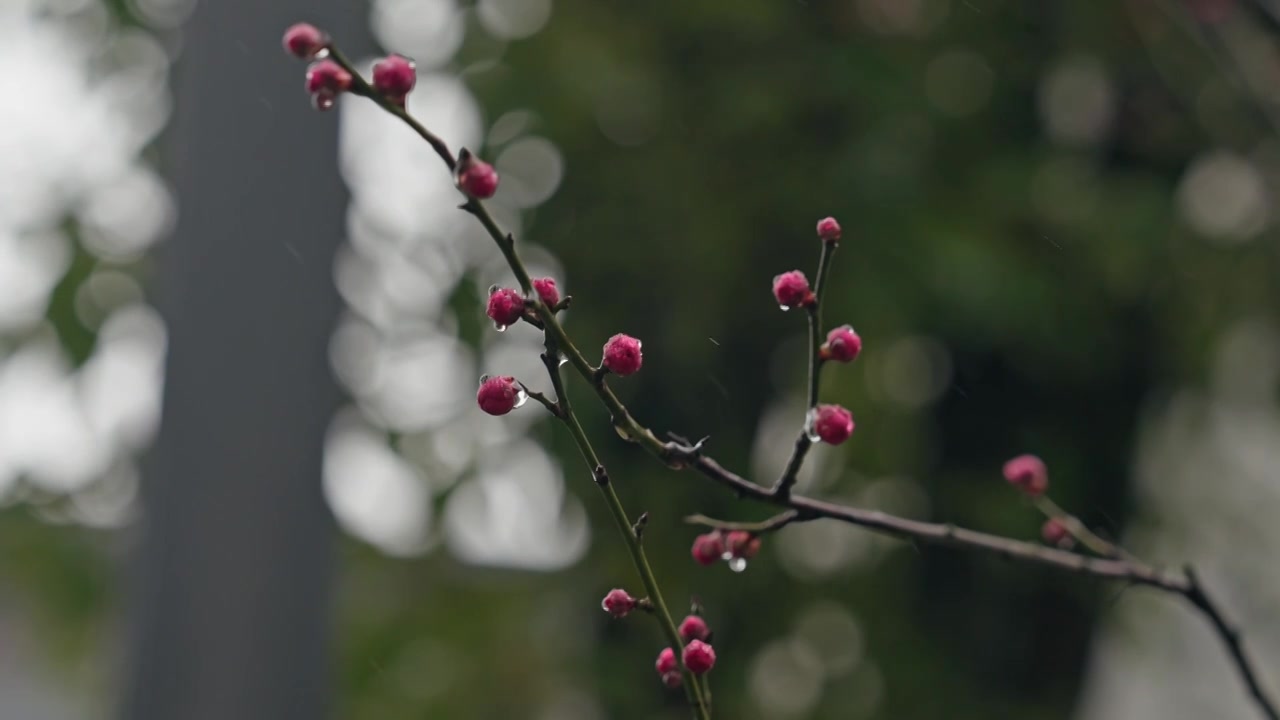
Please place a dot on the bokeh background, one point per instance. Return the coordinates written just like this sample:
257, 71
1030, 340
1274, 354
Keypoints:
1059, 239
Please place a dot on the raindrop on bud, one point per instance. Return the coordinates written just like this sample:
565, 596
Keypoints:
484, 379
499, 327
810, 425
522, 397
738, 564
784, 308
493, 289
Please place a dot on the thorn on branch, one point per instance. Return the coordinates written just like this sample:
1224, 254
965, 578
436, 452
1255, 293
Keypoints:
639, 526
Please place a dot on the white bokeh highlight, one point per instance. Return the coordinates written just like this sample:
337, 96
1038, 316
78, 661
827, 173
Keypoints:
396, 349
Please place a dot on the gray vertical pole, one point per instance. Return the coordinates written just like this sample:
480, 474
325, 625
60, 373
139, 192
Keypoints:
231, 602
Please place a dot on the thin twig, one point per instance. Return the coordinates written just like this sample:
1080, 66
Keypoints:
1079, 530
1232, 639
801, 448
631, 533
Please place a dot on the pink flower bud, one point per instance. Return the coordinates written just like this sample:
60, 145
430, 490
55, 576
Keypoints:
829, 230
618, 603
832, 424
699, 657
1029, 473
327, 75
1055, 533
476, 177
622, 354
506, 306
666, 662
742, 544
791, 290
304, 40
394, 76
672, 679
708, 548
547, 291
694, 628
499, 395
842, 345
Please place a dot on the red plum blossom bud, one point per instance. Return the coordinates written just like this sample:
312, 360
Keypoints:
622, 354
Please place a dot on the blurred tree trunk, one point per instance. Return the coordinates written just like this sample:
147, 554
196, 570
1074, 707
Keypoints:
231, 609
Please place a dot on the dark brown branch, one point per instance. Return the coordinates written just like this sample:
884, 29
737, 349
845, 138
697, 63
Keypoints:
1231, 637
680, 455
946, 534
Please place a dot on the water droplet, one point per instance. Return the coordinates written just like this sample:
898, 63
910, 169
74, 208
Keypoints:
784, 308
562, 361
321, 54
322, 100
494, 288
484, 379
499, 327
810, 425
522, 397
738, 564
726, 556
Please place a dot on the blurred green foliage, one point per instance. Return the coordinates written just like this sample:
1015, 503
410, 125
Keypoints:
1059, 278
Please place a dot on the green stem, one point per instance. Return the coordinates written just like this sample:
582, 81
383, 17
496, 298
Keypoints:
1078, 530
790, 474
693, 687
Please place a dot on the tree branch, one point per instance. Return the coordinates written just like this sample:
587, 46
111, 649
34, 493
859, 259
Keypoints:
630, 532
789, 475
680, 455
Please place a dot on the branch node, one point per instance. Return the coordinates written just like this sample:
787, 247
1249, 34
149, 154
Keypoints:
639, 526
600, 475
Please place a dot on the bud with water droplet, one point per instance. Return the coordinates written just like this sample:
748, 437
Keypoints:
505, 307
741, 544
475, 177
842, 345
830, 424
326, 79
791, 290
500, 395
618, 603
